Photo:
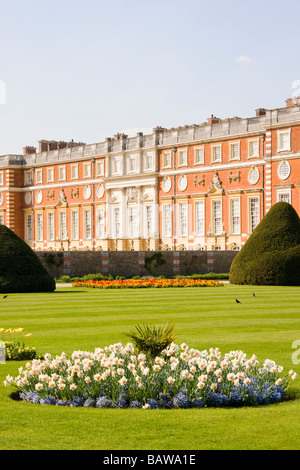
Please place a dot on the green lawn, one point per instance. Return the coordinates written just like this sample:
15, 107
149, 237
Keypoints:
70, 319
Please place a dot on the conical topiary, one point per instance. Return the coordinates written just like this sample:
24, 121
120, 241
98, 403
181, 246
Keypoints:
271, 255
20, 268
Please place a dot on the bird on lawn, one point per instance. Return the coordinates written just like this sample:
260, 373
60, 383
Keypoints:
4, 297
254, 295
237, 301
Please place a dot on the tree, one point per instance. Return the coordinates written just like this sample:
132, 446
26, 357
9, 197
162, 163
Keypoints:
20, 268
271, 255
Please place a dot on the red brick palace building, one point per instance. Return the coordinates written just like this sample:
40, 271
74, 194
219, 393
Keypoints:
201, 186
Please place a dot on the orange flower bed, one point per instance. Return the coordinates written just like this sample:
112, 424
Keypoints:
143, 283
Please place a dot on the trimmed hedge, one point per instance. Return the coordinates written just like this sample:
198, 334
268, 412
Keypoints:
271, 255
20, 268
110, 277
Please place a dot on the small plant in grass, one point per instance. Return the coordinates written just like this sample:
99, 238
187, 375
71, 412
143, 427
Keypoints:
151, 340
15, 345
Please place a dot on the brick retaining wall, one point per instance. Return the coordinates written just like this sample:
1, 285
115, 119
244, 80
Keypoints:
132, 263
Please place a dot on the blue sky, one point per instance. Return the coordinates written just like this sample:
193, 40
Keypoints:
85, 70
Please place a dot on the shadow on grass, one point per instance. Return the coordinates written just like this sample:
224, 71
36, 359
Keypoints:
69, 292
16, 397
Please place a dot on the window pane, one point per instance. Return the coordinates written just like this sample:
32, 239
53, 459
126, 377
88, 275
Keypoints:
88, 231
199, 229
75, 225
101, 223
148, 221
148, 162
75, 171
254, 213
132, 222
285, 197
183, 219
29, 228
117, 222
40, 227
167, 159
200, 155
253, 148
217, 217
63, 226
51, 226
235, 151
183, 158
132, 163
167, 220
100, 169
284, 141
235, 216
216, 154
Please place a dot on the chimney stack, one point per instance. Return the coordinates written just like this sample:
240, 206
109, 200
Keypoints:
29, 150
213, 120
294, 101
260, 112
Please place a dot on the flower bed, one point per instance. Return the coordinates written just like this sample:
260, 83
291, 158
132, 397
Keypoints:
15, 347
143, 283
118, 377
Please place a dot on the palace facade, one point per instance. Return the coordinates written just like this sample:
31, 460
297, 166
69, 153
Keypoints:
198, 187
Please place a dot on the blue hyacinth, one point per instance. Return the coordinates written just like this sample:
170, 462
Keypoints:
32, 397
77, 401
153, 404
135, 404
62, 403
181, 400
89, 403
121, 404
104, 402
48, 401
197, 403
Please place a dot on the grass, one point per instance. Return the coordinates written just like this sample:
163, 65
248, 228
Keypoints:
70, 319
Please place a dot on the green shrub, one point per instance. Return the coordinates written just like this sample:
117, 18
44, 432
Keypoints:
63, 279
207, 276
93, 277
271, 255
20, 268
151, 340
19, 352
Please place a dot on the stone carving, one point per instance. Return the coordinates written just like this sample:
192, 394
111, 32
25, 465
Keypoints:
74, 193
132, 194
236, 177
62, 198
196, 181
39, 197
87, 192
216, 183
50, 195
167, 184
182, 184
